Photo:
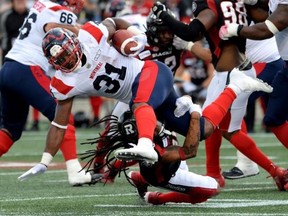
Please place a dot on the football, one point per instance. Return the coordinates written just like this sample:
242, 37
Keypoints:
122, 41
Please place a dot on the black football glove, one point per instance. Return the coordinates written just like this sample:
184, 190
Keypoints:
158, 8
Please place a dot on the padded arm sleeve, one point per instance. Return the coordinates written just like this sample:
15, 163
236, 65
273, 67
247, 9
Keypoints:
193, 32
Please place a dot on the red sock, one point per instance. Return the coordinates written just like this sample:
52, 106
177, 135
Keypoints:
5, 142
281, 132
212, 148
100, 159
217, 110
35, 114
96, 103
68, 146
146, 121
177, 197
248, 147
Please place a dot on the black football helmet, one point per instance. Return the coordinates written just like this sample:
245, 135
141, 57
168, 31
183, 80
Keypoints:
62, 49
158, 34
128, 127
74, 5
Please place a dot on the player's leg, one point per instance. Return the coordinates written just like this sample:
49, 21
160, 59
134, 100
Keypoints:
276, 114
244, 166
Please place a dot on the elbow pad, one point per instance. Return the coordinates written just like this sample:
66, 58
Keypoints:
195, 31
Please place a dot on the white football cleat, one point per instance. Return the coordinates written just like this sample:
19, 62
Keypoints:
240, 82
140, 152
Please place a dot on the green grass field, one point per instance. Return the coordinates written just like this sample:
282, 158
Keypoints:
50, 193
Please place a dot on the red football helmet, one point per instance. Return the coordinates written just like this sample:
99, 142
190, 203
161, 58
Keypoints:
74, 5
62, 49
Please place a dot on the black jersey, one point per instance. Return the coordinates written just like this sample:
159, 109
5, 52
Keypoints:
226, 12
168, 55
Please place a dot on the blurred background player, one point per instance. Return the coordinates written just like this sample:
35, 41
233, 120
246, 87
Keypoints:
24, 81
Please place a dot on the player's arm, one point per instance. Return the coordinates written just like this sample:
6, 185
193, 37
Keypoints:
194, 31
73, 28
276, 22
53, 140
201, 52
58, 126
113, 24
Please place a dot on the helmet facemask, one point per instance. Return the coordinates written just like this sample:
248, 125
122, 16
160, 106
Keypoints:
62, 49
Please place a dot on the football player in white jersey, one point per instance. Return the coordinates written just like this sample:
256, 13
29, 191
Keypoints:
88, 64
276, 24
24, 81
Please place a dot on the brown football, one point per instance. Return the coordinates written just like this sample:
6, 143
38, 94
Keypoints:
122, 41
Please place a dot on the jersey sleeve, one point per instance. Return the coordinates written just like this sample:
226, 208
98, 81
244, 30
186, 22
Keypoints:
56, 14
198, 6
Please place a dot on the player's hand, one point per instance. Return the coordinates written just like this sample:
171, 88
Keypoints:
141, 40
36, 170
229, 30
158, 8
184, 104
181, 44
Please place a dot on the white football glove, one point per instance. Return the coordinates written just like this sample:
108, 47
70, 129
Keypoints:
36, 170
230, 30
180, 44
141, 40
184, 104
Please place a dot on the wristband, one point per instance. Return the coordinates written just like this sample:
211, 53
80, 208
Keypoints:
46, 158
111, 20
189, 46
135, 30
272, 28
59, 126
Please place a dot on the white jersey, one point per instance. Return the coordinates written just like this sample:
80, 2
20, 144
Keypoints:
106, 72
27, 48
262, 50
281, 37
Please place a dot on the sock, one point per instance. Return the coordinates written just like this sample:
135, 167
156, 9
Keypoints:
100, 159
248, 147
68, 146
35, 115
177, 197
212, 148
96, 103
146, 121
281, 133
217, 110
5, 142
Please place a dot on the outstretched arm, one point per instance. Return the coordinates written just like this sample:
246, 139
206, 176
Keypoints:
53, 140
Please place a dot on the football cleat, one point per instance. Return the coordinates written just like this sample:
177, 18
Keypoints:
236, 173
81, 178
152, 198
141, 186
138, 152
220, 179
240, 82
280, 176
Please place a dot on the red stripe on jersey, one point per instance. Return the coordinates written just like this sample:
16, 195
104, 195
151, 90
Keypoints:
212, 6
60, 86
259, 67
59, 7
147, 82
42, 79
93, 30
